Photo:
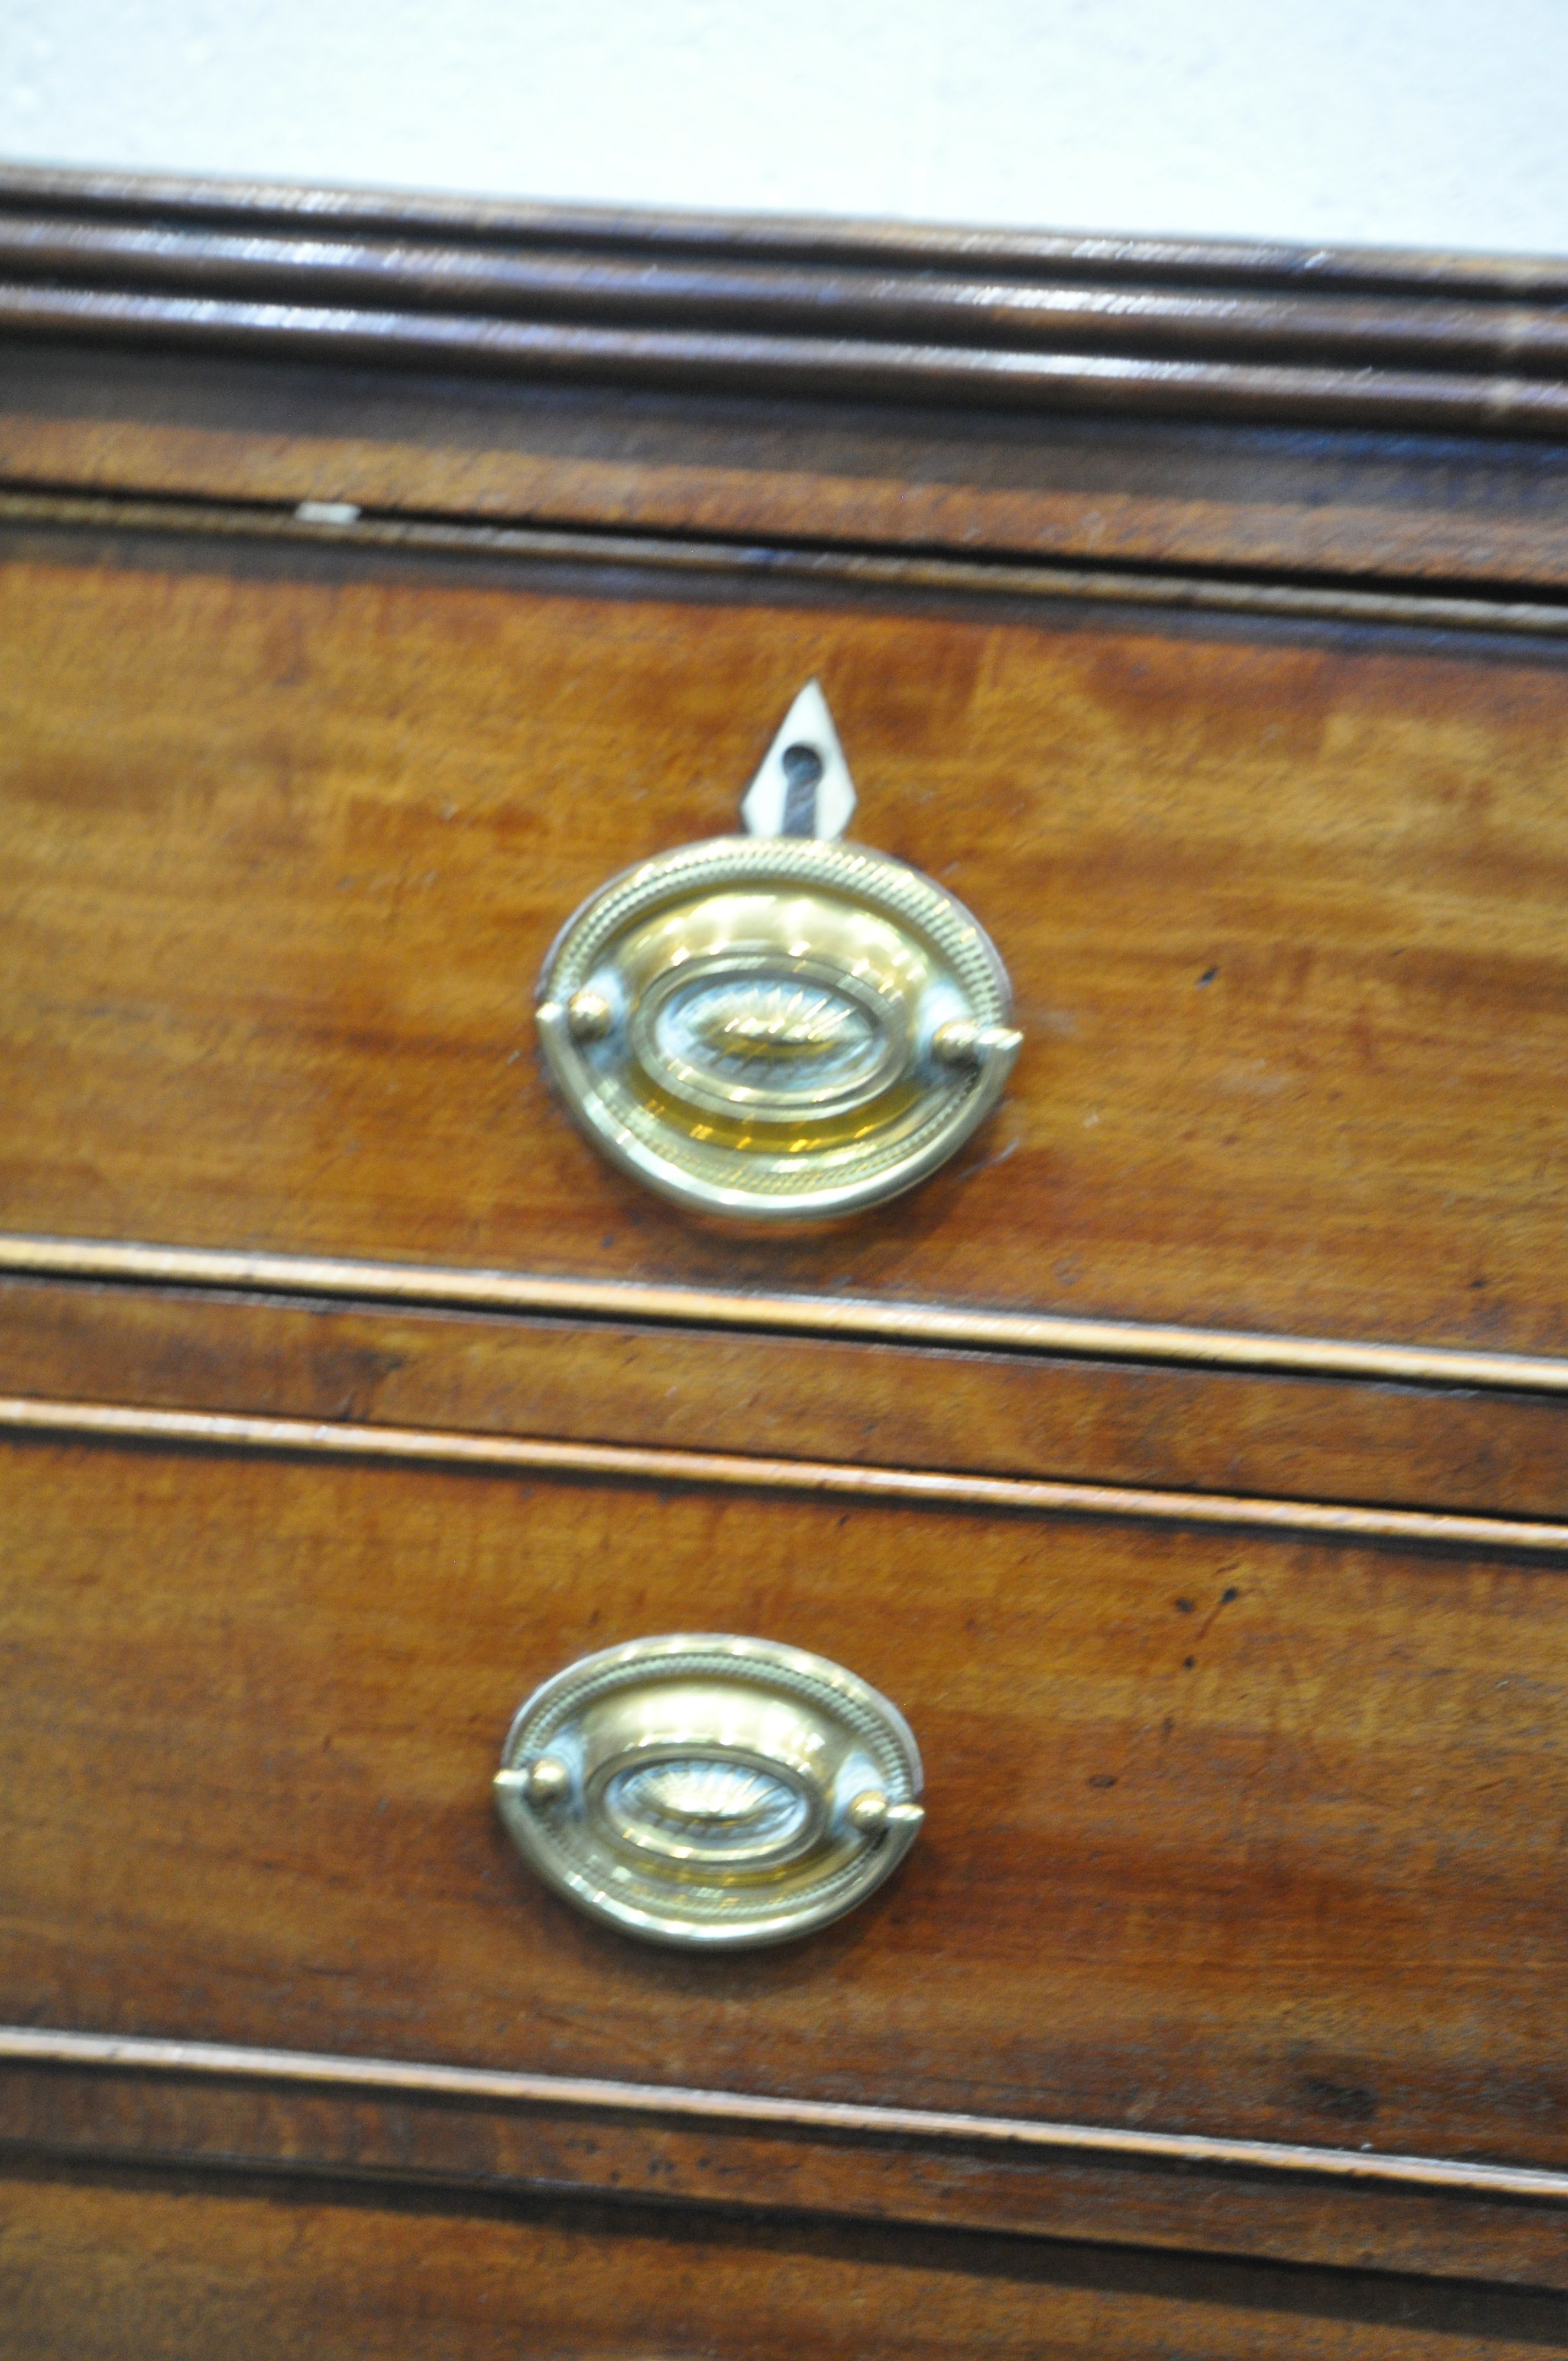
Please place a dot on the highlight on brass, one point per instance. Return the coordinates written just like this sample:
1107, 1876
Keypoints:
710, 1792
778, 1026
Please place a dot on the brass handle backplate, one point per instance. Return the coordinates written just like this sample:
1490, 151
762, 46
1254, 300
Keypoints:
710, 1792
777, 1027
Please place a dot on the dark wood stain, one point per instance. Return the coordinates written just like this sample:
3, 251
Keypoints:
473, 2146
177, 2268
1392, 341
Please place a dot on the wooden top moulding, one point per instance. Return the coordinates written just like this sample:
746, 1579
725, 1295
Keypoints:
1227, 331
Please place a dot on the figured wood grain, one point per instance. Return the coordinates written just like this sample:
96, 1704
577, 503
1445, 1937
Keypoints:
106, 2058
172, 2267
1233, 1832
316, 525
290, 831
454, 1287
1099, 489
24, 1414
1227, 1833
800, 1396
454, 2126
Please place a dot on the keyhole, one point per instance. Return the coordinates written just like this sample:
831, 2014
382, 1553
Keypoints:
802, 767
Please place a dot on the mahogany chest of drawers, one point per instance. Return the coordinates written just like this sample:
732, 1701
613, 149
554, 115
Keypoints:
1184, 1458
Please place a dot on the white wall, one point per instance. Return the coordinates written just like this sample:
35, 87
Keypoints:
1425, 122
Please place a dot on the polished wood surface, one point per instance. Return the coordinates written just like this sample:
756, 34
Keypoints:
1149, 326
1161, 625
1524, 1541
1014, 377
1470, 608
456, 1287
297, 2111
878, 1405
99, 2265
1280, 910
178, 201
1157, 493
1242, 1836
557, 278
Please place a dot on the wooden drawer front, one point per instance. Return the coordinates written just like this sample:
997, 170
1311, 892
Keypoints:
1004, 1416
98, 2266
1230, 1834
290, 831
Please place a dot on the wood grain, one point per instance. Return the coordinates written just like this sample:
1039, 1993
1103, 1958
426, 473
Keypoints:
97, 2265
922, 318
794, 1397
186, 200
981, 581
455, 1287
1096, 489
1522, 1540
289, 832
141, 2114
1230, 1835
569, 281
1233, 1832
842, 369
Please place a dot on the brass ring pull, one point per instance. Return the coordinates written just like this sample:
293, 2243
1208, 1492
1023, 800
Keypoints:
778, 1026
710, 1792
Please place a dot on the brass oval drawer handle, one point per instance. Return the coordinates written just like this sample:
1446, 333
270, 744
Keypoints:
709, 1791
778, 1026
